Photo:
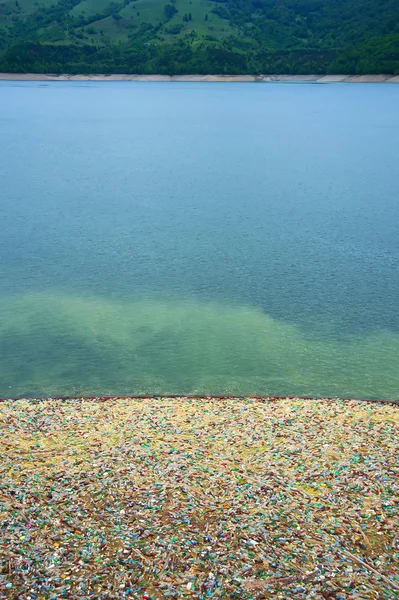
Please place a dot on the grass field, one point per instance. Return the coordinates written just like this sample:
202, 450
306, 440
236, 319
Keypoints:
115, 22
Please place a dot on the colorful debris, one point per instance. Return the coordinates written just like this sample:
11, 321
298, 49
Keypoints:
199, 498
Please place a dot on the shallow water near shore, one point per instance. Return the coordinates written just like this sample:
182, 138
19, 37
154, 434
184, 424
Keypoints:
199, 238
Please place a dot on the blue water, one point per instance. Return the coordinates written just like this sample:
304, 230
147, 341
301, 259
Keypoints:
165, 237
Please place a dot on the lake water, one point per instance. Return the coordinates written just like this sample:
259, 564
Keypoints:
211, 238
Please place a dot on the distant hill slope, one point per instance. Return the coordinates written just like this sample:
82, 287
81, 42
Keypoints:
200, 36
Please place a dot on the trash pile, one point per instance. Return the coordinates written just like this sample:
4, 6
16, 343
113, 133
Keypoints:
199, 498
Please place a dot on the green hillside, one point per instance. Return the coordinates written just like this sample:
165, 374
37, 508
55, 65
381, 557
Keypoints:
200, 36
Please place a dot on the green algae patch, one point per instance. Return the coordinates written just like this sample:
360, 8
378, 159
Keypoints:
59, 344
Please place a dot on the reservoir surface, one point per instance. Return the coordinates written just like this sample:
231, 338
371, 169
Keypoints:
199, 238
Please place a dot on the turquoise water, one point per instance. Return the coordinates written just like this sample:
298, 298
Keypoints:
210, 238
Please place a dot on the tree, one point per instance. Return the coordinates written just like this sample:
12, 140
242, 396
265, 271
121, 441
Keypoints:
169, 11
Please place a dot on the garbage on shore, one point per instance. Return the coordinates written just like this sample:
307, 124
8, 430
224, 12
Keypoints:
199, 498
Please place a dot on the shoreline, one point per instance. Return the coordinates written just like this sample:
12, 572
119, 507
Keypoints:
206, 78
214, 397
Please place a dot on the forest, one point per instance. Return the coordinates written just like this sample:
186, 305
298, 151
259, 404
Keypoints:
200, 36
